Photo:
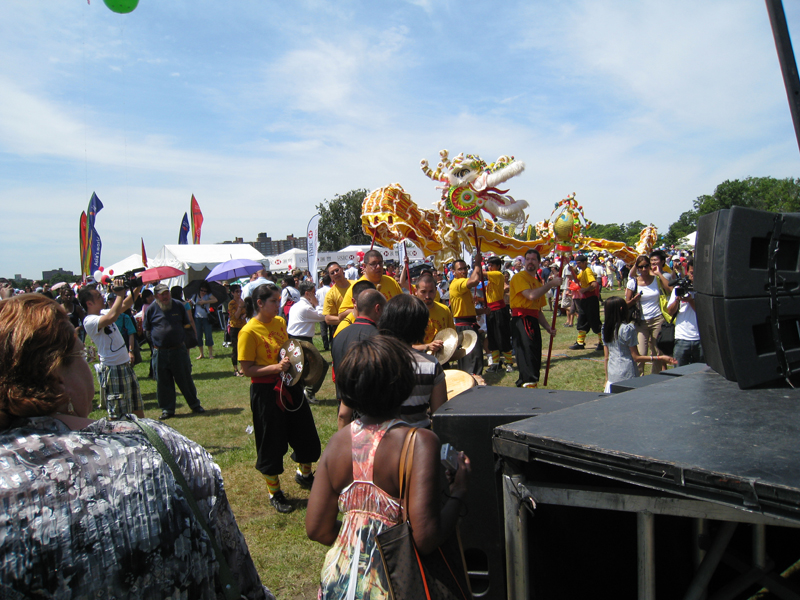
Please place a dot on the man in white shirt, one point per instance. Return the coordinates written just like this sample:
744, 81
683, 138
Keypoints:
351, 272
303, 316
688, 349
324, 329
119, 386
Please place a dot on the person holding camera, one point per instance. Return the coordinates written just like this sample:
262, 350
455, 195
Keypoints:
116, 360
687, 336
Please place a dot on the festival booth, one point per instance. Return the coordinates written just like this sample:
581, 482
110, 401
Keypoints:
197, 260
288, 261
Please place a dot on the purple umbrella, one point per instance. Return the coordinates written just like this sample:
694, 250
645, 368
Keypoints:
233, 269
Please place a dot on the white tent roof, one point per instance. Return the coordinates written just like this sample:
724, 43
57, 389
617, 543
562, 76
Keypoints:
288, 261
197, 260
134, 261
689, 240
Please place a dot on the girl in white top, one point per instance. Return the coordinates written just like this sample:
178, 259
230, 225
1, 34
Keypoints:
643, 290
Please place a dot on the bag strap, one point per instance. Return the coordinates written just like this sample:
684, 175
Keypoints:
406, 462
229, 587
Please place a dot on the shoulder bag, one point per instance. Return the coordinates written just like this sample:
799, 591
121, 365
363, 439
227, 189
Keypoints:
635, 312
441, 574
665, 341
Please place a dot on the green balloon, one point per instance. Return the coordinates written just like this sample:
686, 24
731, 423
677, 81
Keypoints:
122, 6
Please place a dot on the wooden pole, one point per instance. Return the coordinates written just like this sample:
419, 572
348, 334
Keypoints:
480, 263
553, 324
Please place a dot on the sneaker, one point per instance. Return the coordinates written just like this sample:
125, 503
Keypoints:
577, 346
304, 481
530, 385
165, 414
281, 504
310, 397
198, 409
509, 368
493, 368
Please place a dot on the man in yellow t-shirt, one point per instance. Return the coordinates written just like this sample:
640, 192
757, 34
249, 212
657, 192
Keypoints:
333, 299
528, 297
498, 321
439, 316
587, 302
373, 272
462, 306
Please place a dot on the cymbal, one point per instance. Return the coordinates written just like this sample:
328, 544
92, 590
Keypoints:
294, 351
450, 340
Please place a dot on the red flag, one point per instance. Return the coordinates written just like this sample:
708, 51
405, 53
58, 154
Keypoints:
197, 221
83, 244
144, 254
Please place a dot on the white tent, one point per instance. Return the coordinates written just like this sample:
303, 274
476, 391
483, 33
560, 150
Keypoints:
197, 260
688, 240
134, 261
288, 261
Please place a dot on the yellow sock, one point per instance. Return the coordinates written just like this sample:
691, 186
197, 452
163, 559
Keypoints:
304, 469
508, 357
273, 484
582, 337
495, 357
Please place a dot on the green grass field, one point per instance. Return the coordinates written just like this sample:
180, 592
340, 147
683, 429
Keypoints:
289, 564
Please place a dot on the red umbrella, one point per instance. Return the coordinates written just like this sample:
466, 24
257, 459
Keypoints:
158, 273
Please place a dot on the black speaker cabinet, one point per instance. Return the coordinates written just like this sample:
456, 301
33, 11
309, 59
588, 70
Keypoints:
467, 422
731, 253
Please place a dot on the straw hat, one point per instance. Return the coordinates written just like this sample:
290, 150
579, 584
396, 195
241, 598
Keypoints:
457, 382
314, 368
294, 351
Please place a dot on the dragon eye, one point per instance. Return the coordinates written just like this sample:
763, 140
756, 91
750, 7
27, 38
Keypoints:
462, 172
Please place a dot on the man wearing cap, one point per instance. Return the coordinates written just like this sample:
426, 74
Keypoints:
367, 311
333, 299
373, 272
351, 273
439, 316
527, 297
165, 324
116, 360
498, 321
587, 300
462, 306
303, 316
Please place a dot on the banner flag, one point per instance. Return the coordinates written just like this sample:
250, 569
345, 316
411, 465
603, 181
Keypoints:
183, 236
401, 253
144, 254
94, 251
466, 255
313, 248
84, 266
197, 221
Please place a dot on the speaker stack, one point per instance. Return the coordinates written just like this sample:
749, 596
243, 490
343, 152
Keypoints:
732, 300
467, 422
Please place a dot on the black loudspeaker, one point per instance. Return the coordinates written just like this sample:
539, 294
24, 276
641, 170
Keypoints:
732, 288
467, 423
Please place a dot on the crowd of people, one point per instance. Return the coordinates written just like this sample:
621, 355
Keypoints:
380, 324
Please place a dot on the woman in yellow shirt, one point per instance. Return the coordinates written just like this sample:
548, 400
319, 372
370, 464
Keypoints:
281, 417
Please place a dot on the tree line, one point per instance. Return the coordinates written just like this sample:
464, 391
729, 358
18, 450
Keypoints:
340, 217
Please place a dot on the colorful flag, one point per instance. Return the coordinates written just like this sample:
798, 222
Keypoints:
84, 254
197, 221
93, 244
313, 247
94, 251
144, 254
183, 236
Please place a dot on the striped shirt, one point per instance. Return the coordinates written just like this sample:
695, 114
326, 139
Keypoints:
429, 374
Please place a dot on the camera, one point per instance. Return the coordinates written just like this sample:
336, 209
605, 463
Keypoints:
449, 457
131, 279
683, 285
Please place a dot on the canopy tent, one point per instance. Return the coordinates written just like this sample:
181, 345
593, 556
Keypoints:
134, 261
197, 260
288, 261
688, 241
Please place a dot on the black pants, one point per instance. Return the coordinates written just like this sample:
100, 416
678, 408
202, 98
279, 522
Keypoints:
326, 332
527, 342
472, 362
235, 346
498, 330
275, 429
589, 314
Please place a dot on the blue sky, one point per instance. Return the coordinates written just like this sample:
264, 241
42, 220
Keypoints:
265, 109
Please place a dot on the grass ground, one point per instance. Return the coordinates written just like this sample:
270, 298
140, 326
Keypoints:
289, 564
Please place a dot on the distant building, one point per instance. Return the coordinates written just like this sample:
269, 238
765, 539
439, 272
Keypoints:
46, 275
269, 247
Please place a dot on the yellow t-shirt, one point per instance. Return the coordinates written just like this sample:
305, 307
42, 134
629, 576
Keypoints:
494, 291
333, 299
388, 287
439, 318
261, 343
346, 322
525, 281
461, 302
